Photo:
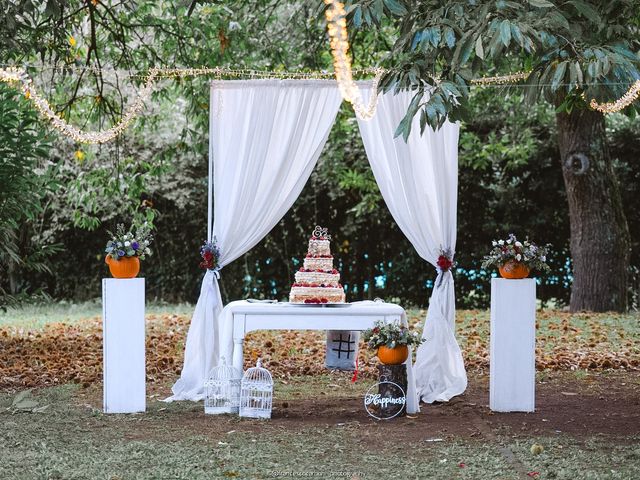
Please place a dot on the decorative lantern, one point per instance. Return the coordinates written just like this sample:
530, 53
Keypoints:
256, 392
222, 389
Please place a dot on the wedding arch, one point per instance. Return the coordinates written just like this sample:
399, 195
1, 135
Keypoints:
265, 139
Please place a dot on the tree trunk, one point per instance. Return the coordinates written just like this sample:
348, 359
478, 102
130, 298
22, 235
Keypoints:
398, 375
600, 241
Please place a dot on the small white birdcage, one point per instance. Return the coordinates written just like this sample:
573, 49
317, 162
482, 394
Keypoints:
256, 392
222, 389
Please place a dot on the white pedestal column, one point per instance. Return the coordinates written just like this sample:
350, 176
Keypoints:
123, 345
513, 341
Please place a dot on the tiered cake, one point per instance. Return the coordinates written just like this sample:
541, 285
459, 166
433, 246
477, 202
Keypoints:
317, 281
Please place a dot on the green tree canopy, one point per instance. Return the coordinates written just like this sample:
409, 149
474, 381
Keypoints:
574, 50
571, 48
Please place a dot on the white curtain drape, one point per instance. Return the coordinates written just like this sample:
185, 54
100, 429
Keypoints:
265, 138
419, 181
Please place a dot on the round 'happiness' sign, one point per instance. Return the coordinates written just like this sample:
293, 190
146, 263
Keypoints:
385, 400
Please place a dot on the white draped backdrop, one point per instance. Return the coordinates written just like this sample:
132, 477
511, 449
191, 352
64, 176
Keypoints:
265, 139
418, 180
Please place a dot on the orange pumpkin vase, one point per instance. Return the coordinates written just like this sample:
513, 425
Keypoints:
126, 267
514, 270
393, 356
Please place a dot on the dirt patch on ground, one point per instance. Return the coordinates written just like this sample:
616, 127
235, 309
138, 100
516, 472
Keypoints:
607, 404
581, 405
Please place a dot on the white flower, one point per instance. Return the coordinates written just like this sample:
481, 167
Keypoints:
147, 251
543, 258
501, 242
127, 243
494, 243
518, 244
518, 257
233, 26
509, 241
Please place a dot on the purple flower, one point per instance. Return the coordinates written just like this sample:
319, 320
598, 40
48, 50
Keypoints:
135, 245
121, 253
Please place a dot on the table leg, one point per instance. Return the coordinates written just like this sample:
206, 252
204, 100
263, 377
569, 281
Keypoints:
238, 354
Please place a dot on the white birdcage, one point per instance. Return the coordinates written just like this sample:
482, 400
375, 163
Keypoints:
222, 389
256, 392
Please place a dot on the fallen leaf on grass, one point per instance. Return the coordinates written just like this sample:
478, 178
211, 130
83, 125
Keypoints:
20, 397
537, 449
24, 402
25, 405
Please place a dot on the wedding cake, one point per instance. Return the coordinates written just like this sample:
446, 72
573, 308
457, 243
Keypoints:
317, 281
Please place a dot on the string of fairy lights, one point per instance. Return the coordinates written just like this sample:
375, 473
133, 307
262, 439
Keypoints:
343, 73
19, 77
623, 102
501, 79
339, 41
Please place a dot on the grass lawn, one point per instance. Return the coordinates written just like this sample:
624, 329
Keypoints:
316, 430
587, 418
36, 316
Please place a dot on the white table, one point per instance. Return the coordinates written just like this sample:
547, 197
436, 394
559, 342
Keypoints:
246, 317
123, 339
512, 366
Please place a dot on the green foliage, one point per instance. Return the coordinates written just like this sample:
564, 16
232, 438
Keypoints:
24, 181
509, 178
504, 188
572, 48
134, 36
390, 335
97, 193
511, 186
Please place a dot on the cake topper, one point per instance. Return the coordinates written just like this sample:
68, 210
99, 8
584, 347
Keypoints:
321, 233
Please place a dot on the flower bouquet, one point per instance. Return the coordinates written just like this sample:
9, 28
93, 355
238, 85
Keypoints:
125, 249
391, 340
516, 259
210, 253
445, 260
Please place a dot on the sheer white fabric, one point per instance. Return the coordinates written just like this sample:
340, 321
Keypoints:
265, 138
418, 181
